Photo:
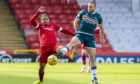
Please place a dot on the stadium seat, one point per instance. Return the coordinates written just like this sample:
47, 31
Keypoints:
84, 6
30, 32
19, 11
54, 21
34, 45
26, 26
32, 39
73, 2
62, 16
13, 1
60, 12
17, 6
64, 21
53, 16
63, 2
21, 16
24, 21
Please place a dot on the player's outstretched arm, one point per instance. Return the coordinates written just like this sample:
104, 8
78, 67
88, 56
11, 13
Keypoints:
102, 34
33, 19
67, 32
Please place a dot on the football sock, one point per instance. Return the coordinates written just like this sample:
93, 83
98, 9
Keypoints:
84, 59
65, 50
41, 75
94, 71
89, 67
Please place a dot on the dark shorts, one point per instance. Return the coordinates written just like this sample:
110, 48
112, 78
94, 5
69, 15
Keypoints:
87, 40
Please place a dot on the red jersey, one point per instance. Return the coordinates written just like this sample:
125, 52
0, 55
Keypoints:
48, 32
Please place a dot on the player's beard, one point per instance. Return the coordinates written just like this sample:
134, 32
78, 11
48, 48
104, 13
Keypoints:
92, 11
46, 23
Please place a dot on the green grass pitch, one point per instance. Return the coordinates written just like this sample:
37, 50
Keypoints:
69, 73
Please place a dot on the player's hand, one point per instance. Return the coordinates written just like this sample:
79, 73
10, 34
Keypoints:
42, 9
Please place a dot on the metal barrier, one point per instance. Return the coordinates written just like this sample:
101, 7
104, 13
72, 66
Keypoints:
26, 50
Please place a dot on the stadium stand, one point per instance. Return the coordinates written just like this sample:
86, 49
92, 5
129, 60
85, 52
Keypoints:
120, 23
63, 15
115, 13
10, 36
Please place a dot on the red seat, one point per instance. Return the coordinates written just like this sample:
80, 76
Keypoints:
26, 26
53, 16
62, 16
54, 2
17, 6
64, 21
71, 17
54, 21
49, 11
13, 1
27, 6
34, 45
29, 32
34, 1
58, 11
29, 11
32, 39
19, 11
73, 2
75, 6
24, 1
24, 21
21, 16
63, 2
69, 12
84, 6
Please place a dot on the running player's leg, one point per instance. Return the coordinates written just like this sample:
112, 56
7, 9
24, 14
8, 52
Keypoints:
42, 63
89, 68
91, 49
41, 71
74, 42
93, 66
83, 56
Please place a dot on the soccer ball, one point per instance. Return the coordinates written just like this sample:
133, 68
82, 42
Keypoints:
52, 60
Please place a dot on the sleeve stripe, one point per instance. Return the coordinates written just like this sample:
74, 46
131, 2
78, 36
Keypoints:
60, 29
37, 25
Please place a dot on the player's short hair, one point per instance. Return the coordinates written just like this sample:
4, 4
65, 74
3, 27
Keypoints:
42, 15
93, 2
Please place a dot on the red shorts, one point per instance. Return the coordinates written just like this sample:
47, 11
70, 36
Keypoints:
82, 46
83, 49
46, 51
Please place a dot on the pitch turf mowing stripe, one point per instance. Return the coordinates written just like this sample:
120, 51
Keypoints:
69, 73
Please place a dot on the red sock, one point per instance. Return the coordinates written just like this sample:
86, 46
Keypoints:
41, 75
89, 61
84, 59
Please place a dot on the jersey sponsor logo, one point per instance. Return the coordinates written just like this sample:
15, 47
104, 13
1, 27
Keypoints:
49, 28
89, 20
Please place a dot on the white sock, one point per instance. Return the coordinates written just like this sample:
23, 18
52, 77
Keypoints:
94, 73
84, 66
64, 50
89, 67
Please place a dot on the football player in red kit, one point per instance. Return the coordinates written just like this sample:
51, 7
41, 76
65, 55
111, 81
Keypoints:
48, 39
